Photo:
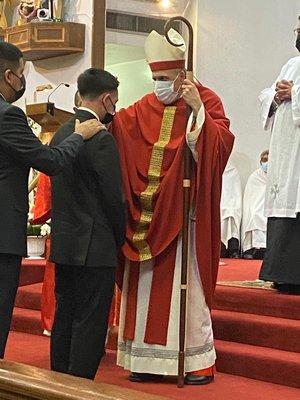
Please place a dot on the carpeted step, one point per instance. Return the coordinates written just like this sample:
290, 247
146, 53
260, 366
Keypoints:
32, 271
29, 297
34, 350
257, 330
262, 363
28, 321
257, 301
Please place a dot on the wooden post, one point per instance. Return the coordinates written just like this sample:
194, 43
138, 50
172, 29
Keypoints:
98, 35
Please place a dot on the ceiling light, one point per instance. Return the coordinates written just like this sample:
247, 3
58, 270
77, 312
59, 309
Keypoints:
165, 3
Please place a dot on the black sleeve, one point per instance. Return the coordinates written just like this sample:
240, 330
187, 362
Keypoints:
273, 108
18, 141
106, 164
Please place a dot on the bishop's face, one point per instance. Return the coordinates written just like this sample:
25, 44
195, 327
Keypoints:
175, 75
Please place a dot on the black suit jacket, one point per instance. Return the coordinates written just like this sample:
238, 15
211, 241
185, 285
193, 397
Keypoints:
88, 217
20, 149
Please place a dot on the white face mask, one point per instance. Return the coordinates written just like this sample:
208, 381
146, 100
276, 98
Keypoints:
164, 91
264, 166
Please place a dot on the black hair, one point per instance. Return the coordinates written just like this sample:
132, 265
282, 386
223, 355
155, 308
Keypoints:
95, 81
264, 153
10, 57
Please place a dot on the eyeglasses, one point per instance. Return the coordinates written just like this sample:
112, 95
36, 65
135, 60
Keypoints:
297, 31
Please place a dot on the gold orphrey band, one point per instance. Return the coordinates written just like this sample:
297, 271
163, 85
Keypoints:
154, 173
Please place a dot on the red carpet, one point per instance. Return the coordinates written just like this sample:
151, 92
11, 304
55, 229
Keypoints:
257, 331
225, 386
242, 270
269, 332
32, 271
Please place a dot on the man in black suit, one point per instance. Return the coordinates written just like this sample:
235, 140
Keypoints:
88, 227
20, 149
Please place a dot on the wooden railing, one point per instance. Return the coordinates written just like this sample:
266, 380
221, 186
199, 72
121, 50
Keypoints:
23, 382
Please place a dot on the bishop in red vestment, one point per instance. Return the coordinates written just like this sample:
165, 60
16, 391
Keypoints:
151, 136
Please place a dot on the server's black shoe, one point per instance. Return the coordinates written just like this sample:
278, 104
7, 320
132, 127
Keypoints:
234, 254
141, 377
286, 288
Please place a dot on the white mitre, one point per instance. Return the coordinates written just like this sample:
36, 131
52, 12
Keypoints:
161, 55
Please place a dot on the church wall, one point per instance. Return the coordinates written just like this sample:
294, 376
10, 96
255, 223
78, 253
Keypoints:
241, 48
61, 69
135, 81
135, 76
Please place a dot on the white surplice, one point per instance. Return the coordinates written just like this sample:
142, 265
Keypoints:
231, 204
254, 225
138, 356
283, 180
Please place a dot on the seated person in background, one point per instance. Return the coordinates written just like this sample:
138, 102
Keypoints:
231, 212
254, 225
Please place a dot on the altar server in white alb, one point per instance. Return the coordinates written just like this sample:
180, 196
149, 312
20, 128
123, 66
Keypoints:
280, 110
254, 225
231, 212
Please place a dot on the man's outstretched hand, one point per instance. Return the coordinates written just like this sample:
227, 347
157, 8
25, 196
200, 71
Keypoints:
89, 128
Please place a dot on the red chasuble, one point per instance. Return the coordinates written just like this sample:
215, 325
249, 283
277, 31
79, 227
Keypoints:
151, 139
41, 213
42, 202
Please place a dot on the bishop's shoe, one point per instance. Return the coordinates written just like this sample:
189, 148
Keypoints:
201, 377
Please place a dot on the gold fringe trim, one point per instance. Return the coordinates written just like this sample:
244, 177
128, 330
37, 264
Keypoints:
154, 174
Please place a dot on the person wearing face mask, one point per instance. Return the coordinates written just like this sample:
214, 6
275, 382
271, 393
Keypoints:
280, 112
88, 226
20, 150
254, 223
151, 136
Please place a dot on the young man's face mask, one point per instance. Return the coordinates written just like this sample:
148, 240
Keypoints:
19, 93
108, 117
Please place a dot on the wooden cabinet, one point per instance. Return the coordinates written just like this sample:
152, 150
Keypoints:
48, 116
42, 40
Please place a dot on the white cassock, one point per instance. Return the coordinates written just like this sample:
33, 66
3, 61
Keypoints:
231, 204
283, 180
138, 356
254, 225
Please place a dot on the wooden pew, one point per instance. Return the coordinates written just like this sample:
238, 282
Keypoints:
23, 382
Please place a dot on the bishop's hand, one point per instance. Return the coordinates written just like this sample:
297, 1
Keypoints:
191, 96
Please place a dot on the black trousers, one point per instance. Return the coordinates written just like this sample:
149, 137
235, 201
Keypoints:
282, 260
9, 280
83, 299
